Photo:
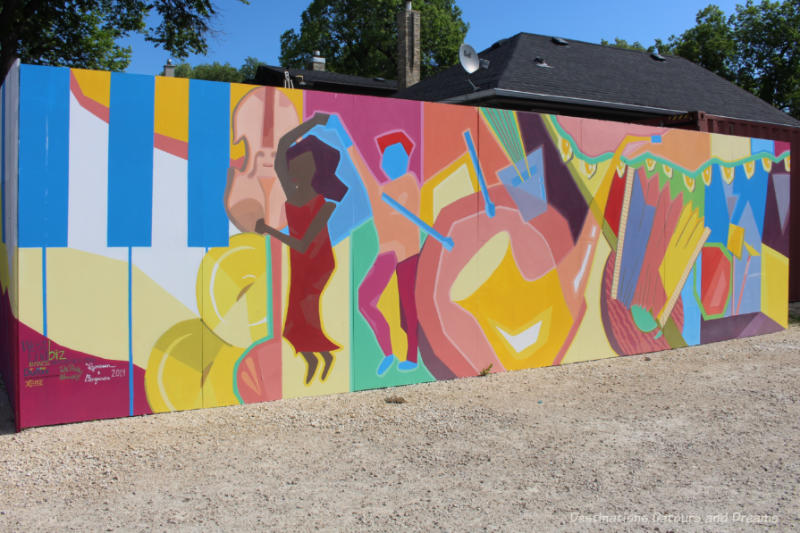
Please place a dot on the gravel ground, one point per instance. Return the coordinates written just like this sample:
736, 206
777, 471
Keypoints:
696, 439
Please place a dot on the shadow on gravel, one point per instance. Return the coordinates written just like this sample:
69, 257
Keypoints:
6, 413
794, 313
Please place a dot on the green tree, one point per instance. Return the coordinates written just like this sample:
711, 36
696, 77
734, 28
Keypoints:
758, 48
711, 43
218, 72
85, 33
215, 71
622, 43
360, 36
768, 52
250, 67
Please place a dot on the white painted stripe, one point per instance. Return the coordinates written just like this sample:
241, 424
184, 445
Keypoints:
87, 222
169, 261
170, 200
582, 271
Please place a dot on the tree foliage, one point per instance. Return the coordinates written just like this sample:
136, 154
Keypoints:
622, 43
711, 43
768, 52
218, 72
85, 33
360, 36
757, 47
250, 67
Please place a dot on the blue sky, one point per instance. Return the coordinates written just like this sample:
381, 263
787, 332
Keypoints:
254, 30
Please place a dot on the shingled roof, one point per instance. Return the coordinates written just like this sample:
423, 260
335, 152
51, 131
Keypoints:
538, 71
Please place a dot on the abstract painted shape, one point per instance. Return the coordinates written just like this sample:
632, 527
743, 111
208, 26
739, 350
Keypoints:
487, 201
526, 321
232, 286
257, 374
716, 281
639, 225
394, 161
736, 240
528, 189
563, 193
781, 183
624, 336
774, 280
643, 319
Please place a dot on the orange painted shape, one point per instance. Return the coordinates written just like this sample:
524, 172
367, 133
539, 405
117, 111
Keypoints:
688, 149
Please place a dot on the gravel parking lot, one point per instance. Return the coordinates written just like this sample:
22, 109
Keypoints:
696, 439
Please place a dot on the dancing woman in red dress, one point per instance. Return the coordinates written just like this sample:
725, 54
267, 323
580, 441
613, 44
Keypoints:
307, 173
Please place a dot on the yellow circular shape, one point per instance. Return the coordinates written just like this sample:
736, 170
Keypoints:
650, 163
190, 368
688, 181
218, 377
766, 164
787, 164
174, 370
232, 288
667, 170
621, 167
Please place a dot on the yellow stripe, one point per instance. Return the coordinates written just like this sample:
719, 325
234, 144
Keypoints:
172, 108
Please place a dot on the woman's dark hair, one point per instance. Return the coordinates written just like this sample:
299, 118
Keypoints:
326, 159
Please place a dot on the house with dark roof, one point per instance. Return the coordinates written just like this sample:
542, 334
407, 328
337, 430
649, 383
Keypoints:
547, 74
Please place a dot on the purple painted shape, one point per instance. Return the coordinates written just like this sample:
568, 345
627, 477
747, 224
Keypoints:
435, 366
781, 184
562, 191
732, 201
776, 234
737, 326
761, 325
359, 119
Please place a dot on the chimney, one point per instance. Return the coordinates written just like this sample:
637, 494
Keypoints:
408, 57
317, 62
169, 69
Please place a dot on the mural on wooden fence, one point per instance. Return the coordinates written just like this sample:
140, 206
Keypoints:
174, 244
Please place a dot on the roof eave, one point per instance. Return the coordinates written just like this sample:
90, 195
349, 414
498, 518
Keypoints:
540, 97
489, 94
